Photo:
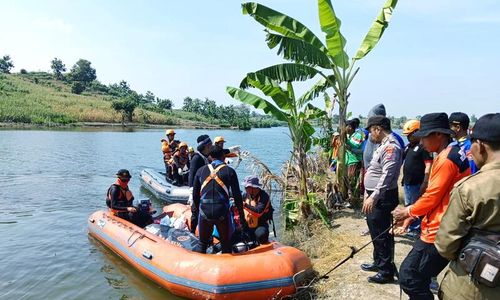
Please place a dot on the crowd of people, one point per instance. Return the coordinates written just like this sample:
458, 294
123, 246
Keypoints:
216, 198
450, 177
453, 216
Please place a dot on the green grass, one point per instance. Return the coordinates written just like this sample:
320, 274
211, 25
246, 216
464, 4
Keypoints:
37, 98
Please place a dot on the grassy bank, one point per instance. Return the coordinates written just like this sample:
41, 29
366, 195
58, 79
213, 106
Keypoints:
37, 99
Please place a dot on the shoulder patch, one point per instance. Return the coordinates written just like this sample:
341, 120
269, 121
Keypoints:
459, 158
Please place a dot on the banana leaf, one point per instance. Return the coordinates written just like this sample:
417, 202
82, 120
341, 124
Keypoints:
377, 29
270, 88
298, 50
281, 23
318, 88
286, 72
335, 41
257, 102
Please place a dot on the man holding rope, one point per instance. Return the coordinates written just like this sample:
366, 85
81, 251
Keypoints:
451, 165
381, 197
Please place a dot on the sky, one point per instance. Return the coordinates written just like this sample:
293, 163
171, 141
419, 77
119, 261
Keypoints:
435, 56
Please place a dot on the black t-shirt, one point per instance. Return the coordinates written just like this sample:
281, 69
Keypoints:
414, 164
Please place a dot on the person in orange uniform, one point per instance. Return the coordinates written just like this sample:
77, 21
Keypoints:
219, 141
257, 209
168, 147
120, 201
180, 165
451, 165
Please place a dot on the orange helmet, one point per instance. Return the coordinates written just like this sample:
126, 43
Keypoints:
183, 145
169, 131
411, 126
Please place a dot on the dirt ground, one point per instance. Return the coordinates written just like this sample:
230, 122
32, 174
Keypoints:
327, 247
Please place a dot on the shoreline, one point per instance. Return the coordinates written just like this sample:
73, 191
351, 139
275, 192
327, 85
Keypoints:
8, 125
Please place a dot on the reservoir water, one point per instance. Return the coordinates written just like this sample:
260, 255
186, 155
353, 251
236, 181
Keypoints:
51, 181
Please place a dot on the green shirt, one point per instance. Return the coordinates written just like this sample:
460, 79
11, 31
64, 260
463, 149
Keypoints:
354, 151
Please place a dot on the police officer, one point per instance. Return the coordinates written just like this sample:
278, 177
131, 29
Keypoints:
120, 200
381, 197
474, 205
213, 185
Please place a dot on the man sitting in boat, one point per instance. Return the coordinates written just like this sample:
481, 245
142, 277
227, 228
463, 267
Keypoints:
212, 186
120, 201
180, 165
258, 209
168, 146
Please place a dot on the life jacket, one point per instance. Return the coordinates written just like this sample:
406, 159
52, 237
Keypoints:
125, 199
253, 217
183, 159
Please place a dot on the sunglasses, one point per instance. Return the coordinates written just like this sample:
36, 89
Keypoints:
124, 179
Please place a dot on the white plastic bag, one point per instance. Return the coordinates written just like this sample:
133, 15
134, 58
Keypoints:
180, 223
165, 221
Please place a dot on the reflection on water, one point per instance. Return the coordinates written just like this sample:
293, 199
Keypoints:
51, 181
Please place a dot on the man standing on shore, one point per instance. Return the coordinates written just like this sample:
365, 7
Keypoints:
451, 165
381, 197
459, 123
474, 211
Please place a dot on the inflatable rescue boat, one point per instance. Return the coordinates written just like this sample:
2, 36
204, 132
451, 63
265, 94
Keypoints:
269, 271
161, 188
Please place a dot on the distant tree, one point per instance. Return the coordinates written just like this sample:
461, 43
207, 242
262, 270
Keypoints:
166, 104
418, 117
473, 118
58, 68
77, 87
187, 104
149, 97
6, 64
23, 71
83, 72
126, 108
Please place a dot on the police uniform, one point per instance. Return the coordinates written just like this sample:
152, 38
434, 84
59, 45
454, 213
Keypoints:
381, 183
474, 204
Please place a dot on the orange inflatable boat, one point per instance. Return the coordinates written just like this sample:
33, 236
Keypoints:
268, 271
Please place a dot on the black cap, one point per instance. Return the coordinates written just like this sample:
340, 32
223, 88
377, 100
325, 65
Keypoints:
434, 122
487, 128
123, 173
460, 118
381, 121
352, 123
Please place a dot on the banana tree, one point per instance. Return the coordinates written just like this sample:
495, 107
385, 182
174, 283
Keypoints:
311, 57
297, 112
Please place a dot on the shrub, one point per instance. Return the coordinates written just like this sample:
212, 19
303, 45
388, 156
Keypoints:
23, 71
77, 87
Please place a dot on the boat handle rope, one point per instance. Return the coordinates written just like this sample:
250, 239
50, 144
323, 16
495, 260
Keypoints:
354, 251
141, 235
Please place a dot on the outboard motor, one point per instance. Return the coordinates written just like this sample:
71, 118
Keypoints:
145, 206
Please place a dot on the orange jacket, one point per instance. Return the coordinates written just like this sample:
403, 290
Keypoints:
449, 166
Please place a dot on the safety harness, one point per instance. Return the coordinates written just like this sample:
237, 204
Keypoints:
213, 176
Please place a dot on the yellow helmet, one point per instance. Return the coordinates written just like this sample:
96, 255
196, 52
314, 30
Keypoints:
169, 131
219, 139
183, 144
411, 126
191, 149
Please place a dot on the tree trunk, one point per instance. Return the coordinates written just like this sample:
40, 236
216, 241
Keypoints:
303, 191
341, 167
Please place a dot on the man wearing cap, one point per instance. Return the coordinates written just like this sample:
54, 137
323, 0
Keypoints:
354, 158
198, 160
120, 200
424, 262
213, 186
474, 208
258, 209
180, 165
416, 170
459, 123
381, 197
220, 141
168, 147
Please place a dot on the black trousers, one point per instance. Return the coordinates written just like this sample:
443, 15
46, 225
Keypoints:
378, 221
260, 234
420, 265
139, 218
205, 230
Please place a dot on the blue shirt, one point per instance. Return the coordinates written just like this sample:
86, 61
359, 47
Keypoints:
466, 144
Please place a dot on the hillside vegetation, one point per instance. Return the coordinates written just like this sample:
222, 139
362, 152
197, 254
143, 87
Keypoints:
39, 98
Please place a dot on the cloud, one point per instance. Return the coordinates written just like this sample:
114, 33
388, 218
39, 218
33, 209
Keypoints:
58, 25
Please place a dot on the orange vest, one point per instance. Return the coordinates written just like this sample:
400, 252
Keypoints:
252, 217
125, 197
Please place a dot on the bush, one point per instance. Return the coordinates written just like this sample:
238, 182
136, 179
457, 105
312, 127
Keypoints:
23, 71
77, 87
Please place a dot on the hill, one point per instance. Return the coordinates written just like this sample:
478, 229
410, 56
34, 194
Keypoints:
37, 98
